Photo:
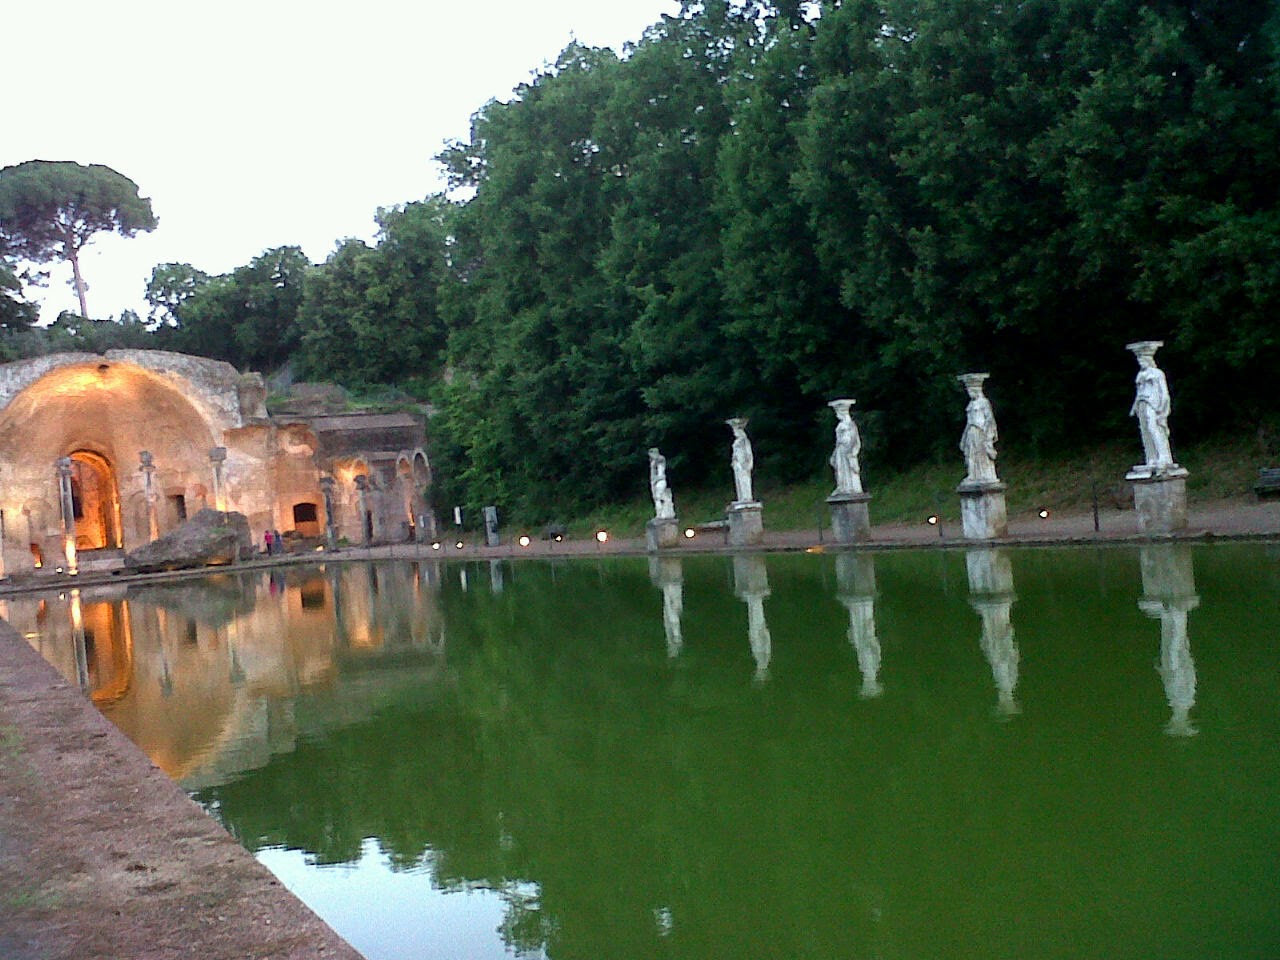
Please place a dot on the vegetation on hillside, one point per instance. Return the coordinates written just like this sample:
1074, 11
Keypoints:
759, 207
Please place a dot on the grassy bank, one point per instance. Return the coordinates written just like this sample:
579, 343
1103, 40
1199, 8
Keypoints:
1220, 469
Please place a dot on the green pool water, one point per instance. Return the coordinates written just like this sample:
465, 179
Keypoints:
1056, 753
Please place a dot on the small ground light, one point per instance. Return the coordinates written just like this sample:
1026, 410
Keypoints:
559, 538
435, 544
1044, 514
524, 541
458, 544
689, 533
602, 536
933, 520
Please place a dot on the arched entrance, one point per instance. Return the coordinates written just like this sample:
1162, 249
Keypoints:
95, 500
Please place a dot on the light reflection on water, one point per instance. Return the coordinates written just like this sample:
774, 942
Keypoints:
965, 754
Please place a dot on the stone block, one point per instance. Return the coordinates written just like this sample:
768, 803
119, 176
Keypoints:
1161, 505
661, 534
746, 523
209, 538
850, 519
983, 514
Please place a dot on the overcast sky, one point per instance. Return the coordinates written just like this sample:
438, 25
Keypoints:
256, 123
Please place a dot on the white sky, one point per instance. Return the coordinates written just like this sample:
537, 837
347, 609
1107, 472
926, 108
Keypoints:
257, 123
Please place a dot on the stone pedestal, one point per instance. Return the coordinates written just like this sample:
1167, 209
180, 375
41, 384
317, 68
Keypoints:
1161, 503
661, 533
850, 522
746, 523
983, 515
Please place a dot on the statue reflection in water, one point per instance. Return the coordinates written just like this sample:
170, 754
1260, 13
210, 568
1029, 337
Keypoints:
1169, 594
856, 580
666, 573
751, 584
991, 595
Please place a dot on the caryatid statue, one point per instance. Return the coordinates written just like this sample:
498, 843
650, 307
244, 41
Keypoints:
978, 442
742, 459
1151, 405
664, 505
844, 458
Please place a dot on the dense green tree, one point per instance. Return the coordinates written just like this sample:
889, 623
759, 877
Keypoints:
16, 314
783, 310
249, 316
49, 210
371, 315
757, 208
532, 356
664, 252
1167, 163
171, 285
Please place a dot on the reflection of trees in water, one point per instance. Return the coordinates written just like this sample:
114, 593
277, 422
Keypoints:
616, 798
567, 766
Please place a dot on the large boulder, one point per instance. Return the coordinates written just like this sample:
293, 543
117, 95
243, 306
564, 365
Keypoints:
209, 538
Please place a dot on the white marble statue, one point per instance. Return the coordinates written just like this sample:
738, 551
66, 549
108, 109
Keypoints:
978, 442
742, 459
844, 458
1151, 405
664, 504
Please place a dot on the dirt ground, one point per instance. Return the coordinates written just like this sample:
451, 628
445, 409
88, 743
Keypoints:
101, 856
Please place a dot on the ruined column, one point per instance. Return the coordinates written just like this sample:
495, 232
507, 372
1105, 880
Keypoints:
362, 489
330, 529
148, 468
491, 535
217, 457
68, 513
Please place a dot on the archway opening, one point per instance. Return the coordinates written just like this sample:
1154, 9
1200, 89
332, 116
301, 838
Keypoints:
95, 501
306, 519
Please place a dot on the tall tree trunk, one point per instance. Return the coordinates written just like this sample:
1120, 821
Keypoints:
79, 284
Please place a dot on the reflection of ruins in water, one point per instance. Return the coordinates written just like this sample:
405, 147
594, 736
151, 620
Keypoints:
751, 584
856, 584
1169, 594
991, 595
204, 675
667, 574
